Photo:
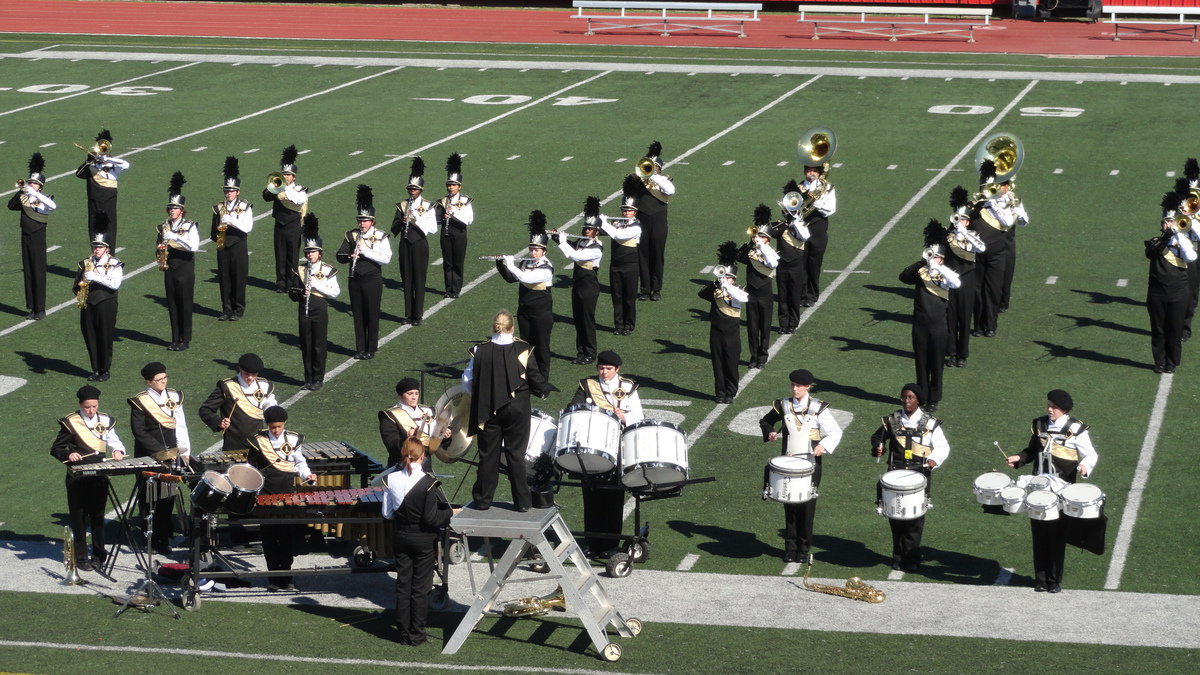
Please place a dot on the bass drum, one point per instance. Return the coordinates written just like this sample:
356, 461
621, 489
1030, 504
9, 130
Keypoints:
543, 432
212, 490
790, 480
453, 412
903, 495
247, 482
588, 440
653, 456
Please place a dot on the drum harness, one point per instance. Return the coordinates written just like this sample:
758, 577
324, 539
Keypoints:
799, 424
1045, 465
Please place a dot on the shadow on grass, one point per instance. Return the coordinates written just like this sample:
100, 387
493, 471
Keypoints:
1098, 298
268, 374
1055, 351
1090, 322
858, 393
905, 292
883, 315
40, 364
725, 542
850, 344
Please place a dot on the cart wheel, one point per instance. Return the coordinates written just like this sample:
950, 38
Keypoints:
611, 652
638, 550
191, 601
439, 598
618, 566
363, 556
539, 566
457, 552
634, 625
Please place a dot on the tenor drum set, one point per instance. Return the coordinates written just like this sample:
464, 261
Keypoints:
1039, 497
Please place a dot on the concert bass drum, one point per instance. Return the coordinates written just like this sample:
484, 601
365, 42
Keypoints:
588, 440
247, 482
212, 490
653, 456
903, 495
790, 480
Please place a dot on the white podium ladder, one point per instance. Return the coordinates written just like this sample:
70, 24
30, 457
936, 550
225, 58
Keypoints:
580, 585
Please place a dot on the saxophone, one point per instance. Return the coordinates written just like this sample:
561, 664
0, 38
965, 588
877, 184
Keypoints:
82, 294
536, 606
161, 251
855, 588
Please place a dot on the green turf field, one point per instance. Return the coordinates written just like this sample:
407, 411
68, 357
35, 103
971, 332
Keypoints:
1102, 140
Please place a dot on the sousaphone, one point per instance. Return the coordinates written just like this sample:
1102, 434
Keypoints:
453, 412
1005, 151
816, 146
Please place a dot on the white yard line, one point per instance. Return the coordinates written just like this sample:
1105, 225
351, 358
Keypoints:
1133, 501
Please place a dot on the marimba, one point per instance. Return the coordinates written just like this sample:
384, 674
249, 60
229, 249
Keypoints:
334, 462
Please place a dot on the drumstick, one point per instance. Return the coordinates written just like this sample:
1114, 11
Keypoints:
997, 444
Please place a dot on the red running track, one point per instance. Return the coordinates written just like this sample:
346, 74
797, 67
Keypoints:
540, 26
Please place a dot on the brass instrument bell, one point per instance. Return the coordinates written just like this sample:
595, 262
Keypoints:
1006, 152
275, 182
644, 168
816, 146
791, 202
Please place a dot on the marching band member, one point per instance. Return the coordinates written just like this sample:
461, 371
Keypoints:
232, 220
931, 312
235, 407
366, 250
276, 453
603, 499
963, 244
914, 442
35, 207
1167, 293
415, 221
623, 270
500, 382
1060, 447
808, 430
1190, 190
289, 203
415, 504
790, 278
817, 223
101, 171
991, 219
157, 422
761, 261
178, 241
455, 213
724, 317
85, 437
586, 253
652, 202
313, 283
535, 303
96, 282
407, 419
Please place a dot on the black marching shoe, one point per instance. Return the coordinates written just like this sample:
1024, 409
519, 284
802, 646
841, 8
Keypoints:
1168, 369
415, 322
223, 317
1055, 588
103, 376
316, 385
643, 296
40, 315
32, 316
173, 347
182, 346
1040, 587
989, 333
655, 296
962, 363
1158, 369
93, 377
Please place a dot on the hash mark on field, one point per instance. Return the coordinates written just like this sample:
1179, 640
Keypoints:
416, 98
1166, 84
728, 162
356, 152
1170, 174
567, 158
891, 167
790, 569
250, 151
690, 74
1122, 283
706, 270
357, 67
895, 575
47, 145
838, 165
621, 160
777, 74
436, 262
1114, 172
949, 79
687, 563
904, 79
1124, 83
731, 74
53, 248
1004, 577
1050, 281
991, 79
442, 68
1056, 171
523, 70
783, 163
200, 149
304, 151
512, 158
276, 65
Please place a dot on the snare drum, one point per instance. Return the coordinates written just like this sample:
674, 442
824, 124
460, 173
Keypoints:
1082, 500
1013, 498
211, 491
588, 440
903, 495
790, 480
653, 453
988, 487
1042, 505
246, 482
543, 431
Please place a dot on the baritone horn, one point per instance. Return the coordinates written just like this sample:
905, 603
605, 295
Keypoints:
275, 182
644, 168
791, 202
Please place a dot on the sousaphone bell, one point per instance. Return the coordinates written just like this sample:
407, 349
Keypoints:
816, 146
1007, 153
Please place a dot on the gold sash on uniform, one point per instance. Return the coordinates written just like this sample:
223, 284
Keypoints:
241, 402
931, 286
404, 419
958, 250
724, 305
102, 181
32, 213
92, 438
760, 266
1174, 259
277, 457
152, 408
791, 240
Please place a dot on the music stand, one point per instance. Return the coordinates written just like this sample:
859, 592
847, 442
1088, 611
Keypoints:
148, 594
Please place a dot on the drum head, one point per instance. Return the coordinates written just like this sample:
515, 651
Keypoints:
992, 480
1041, 499
1082, 493
585, 407
217, 482
245, 478
903, 479
792, 465
542, 415
651, 423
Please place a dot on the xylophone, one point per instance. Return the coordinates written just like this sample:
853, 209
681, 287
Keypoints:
334, 462
351, 514
116, 467
322, 499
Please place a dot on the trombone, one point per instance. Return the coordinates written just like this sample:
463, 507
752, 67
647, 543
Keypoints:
98, 150
275, 182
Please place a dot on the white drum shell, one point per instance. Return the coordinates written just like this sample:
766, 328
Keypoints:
588, 441
903, 495
543, 432
790, 480
653, 453
1013, 498
1042, 505
1082, 500
988, 487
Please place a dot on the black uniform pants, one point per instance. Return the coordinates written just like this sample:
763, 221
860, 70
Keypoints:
314, 339
414, 265
962, 310
906, 540
179, 281
791, 278
233, 271
86, 499
584, 292
1166, 327
1049, 549
454, 257
287, 252
163, 497
33, 262
98, 323
652, 248
416, 555
102, 216
725, 349
1193, 287
814, 258
798, 520
535, 325
506, 431
989, 278
929, 352
1010, 266
366, 293
759, 312
623, 281
603, 513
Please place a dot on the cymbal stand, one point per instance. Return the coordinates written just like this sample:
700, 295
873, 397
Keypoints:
147, 593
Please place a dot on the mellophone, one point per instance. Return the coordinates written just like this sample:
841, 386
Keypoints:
116, 467
1041, 497
647, 455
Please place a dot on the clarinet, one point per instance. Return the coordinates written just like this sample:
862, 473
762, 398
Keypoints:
357, 251
308, 277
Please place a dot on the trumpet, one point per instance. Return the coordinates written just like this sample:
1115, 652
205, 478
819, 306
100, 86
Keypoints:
1190, 204
275, 182
965, 236
20, 184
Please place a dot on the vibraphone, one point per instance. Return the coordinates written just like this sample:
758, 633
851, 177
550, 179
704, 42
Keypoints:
334, 462
117, 467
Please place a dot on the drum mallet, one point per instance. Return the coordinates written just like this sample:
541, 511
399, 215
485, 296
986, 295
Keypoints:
997, 444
